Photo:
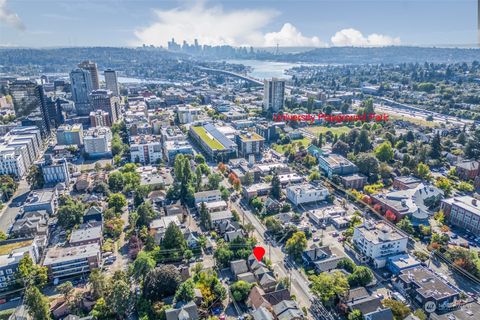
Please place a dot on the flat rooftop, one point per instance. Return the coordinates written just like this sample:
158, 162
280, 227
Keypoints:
429, 284
336, 160
375, 232
56, 255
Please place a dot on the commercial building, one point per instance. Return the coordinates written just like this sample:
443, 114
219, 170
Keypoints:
208, 196
353, 181
63, 262
100, 118
105, 100
427, 289
335, 164
463, 212
375, 241
399, 263
214, 143
55, 170
81, 83
468, 170
92, 69
273, 94
70, 135
188, 114
146, 149
98, 142
172, 148
87, 233
30, 105
406, 182
249, 143
43, 199
306, 193
111, 81
268, 130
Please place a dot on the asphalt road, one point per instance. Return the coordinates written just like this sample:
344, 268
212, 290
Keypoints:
12, 208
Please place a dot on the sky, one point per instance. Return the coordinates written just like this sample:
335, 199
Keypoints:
266, 23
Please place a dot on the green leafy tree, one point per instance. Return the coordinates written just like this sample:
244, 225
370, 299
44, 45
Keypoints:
186, 291
161, 282
37, 304
400, 311
423, 171
98, 284
327, 285
119, 298
173, 238
296, 245
257, 204
66, 289
240, 290
420, 314
70, 213
142, 265
436, 147
465, 186
314, 175
31, 273
140, 194
406, 225
249, 178
445, 184
384, 152
273, 225
347, 264
214, 180
145, 214
362, 142
116, 182
276, 187
355, 315
361, 276
35, 177
102, 311
117, 202
368, 165
205, 218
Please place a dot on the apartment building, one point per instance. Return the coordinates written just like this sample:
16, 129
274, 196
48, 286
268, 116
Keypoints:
98, 142
463, 212
306, 193
146, 149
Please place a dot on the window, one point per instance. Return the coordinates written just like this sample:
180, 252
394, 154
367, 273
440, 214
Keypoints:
8, 271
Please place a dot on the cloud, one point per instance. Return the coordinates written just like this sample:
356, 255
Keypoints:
353, 37
10, 18
212, 25
289, 36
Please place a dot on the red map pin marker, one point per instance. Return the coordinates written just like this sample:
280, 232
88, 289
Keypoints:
258, 252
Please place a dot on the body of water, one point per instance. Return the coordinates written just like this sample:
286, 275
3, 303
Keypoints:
266, 69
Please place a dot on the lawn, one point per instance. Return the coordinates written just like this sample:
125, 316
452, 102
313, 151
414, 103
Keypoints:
5, 314
209, 140
281, 148
417, 121
316, 130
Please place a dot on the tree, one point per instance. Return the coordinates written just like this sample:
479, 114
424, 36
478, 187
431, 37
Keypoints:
117, 145
225, 193
400, 311
472, 148
389, 215
101, 310
214, 180
423, 171
327, 285
445, 184
436, 147
367, 106
276, 187
355, 315
361, 276
222, 167
31, 273
116, 181
161, 282
257, 204
273, 225
314, 175
341, 148
205, 218
240, 290
368, 165
296, 245
199, 158
66, 289
198, 178
70, 213
145, 214
249, 178
384, 152
362, 142
142, 265
119, 298
37, 304
3, 236
406, 225
141, 193
420, 314
98, 284
465, 186
117, 201
347, 264
35, 177
186, 291
173, 238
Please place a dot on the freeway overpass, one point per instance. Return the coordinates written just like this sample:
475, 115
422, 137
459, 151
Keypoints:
232, 74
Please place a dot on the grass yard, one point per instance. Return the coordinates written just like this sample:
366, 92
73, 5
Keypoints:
212, 142
417, 121
5, 314
7, 248
281, 148
316, 130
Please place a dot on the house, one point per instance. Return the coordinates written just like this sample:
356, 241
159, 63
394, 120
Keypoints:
375, 241
158, 227
406, 182
214, 206
322, 258
218, 217
360, 299
232, 235
468, 170
238, 267
247, 277
288, 310
32, 223
425, 286
255, 190
262, 313
188, 311
272, 205
380, 314
93, 213
83, 182
191, 238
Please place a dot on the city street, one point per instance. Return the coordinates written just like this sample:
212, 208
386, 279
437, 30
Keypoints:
13, 207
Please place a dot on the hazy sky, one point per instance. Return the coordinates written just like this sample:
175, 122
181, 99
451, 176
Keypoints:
45, 23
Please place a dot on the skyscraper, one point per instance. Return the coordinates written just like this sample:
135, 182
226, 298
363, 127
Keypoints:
91, 67
30, 105
106, 101
81, 82
111, 82
273, 94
